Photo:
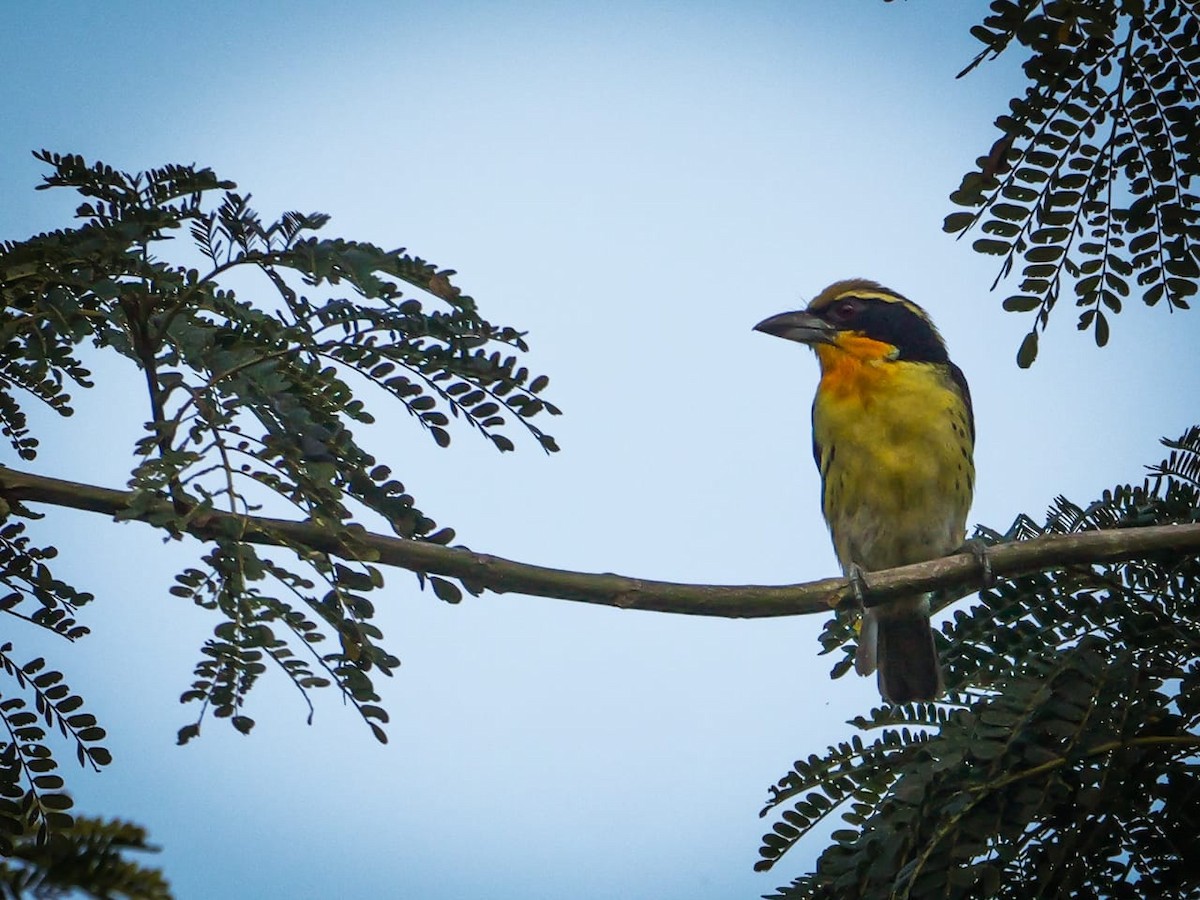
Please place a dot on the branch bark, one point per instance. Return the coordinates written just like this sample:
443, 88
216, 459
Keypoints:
957, 572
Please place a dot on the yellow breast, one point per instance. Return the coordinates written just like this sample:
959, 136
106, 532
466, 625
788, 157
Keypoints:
895, 451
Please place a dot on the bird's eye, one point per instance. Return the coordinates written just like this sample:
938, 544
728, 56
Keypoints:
844, 311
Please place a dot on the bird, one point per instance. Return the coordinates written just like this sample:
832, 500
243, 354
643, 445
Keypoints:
894, 441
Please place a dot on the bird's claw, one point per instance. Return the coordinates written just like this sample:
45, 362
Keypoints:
858, 583
978, 548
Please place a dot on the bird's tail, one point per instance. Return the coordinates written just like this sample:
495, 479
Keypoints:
900, 647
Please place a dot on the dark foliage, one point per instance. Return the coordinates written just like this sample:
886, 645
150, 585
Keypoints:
86, 858
251, 405
1065, 760
1089, 189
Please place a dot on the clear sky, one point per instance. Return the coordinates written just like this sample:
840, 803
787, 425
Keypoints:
636, 184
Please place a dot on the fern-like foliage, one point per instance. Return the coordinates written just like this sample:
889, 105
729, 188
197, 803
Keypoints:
1065, 760
1089, 192
35, 701
259, 347
86, 859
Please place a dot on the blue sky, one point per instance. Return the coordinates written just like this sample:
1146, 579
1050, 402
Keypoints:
636, 185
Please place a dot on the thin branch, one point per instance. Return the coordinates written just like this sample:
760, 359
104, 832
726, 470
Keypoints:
485, 572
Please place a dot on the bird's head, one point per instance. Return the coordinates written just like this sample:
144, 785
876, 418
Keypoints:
862, 319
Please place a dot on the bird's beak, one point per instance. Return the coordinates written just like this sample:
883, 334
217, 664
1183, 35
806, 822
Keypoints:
803, 327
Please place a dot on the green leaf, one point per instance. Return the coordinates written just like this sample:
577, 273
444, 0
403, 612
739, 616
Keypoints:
1019, 303
953, 223
1028, 352
56, 802
445, 590
989, 246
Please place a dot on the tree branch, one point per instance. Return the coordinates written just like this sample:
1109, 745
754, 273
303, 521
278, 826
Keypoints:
485, 572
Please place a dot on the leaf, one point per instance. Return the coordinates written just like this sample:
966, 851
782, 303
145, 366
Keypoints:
56, 802
441, 536
992, 247
1021, 303
1028, 351
187, 733
956, 222
445, 590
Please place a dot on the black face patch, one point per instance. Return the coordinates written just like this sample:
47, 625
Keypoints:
893, 323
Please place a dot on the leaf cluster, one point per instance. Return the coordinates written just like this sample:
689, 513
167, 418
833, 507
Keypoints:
32, 796
36, 701
1089, 190
262, 347
1065, 760
86, 859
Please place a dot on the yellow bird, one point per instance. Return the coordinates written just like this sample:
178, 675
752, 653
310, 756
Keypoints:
893, 438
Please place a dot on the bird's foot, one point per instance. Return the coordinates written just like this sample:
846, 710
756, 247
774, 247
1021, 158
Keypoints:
858, 582
978, 547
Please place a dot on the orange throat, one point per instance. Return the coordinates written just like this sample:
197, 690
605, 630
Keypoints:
853, 364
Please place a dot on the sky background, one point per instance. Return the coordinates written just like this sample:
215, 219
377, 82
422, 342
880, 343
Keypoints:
636, 185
